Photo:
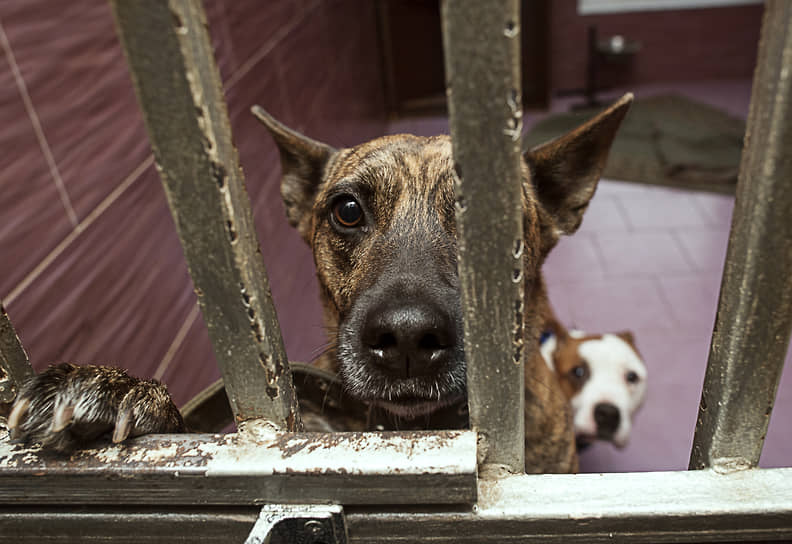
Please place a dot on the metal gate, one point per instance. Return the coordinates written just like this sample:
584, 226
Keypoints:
447, 486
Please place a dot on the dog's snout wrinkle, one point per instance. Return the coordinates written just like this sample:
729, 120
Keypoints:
408, 340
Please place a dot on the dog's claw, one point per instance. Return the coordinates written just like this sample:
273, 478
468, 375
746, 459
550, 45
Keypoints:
123, 426
19, 411
64, 414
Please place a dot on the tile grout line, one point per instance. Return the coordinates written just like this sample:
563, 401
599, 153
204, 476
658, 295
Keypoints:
669, 307
34, 120
267, 48
689, 259
620, 206
177, 342
595, 241
701, 209
84, 224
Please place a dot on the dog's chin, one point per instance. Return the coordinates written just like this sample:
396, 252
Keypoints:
618, 439
406, 398
408, 408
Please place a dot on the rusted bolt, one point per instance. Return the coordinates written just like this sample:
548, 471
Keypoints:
314, 530
314, 527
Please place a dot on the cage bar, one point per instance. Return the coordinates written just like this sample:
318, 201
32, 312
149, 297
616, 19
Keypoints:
754, 317
482, 52
178, 86
14, 364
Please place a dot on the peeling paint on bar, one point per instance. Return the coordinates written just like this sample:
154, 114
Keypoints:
253, 467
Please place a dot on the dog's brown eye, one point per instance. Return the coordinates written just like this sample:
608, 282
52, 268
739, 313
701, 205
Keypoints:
347, 212
631, 377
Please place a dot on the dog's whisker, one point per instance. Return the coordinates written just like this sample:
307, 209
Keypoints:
321, 351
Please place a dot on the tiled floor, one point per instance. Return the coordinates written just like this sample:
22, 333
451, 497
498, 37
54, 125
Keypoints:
649, 259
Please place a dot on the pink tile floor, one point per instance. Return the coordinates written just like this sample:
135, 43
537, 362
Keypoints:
649, 259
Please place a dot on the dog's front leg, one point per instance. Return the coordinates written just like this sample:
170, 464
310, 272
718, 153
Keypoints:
68, 407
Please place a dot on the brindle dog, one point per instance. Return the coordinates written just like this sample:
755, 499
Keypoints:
381, 222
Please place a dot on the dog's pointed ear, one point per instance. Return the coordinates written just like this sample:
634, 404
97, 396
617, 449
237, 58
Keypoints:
565, 171
303, 162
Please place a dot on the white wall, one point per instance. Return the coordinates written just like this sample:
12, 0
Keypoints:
587, 7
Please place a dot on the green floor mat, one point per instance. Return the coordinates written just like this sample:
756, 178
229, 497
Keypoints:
665, 140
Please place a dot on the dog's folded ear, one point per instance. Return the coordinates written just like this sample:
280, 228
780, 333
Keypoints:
303, 162
565, 171
628, 337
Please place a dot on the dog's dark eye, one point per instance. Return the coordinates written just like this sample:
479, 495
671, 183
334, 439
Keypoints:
632, 377
578, 372
347, 212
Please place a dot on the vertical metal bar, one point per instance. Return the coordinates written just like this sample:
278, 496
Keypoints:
178, 86
754, 317
482, 48
14, 364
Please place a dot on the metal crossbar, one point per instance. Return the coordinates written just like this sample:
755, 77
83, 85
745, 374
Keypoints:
409, 487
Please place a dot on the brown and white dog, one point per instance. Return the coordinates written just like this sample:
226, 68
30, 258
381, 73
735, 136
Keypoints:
604, 377
380, 219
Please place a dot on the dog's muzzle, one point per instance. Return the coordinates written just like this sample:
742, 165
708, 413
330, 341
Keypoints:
409, 338
403, 349
607, 417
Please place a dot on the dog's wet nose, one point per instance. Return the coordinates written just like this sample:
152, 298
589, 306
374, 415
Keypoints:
607, 417
409, 340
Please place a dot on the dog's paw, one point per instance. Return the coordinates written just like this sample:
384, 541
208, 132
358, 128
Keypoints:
69, 407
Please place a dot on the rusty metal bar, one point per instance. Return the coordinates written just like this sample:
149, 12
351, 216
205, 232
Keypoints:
178, 86
482, 48
14, 364
253, 467
130, 525
754, 318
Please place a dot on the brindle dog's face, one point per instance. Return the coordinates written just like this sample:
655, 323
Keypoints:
380, 218
384, 240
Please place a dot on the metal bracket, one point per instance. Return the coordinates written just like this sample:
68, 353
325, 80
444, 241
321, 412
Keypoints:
299, 524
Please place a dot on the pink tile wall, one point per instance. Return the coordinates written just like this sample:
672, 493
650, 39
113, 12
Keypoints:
91, 269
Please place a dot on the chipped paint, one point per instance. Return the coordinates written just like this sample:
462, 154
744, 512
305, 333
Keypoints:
261, 463
265, 452
349, 453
